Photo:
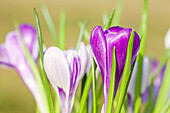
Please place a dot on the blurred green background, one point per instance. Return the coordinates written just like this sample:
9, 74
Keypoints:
14, 96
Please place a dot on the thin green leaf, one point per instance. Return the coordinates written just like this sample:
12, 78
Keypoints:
86, 91
35, 70
104, 18
94, 86
138, 104
62, 31
57, 104
112, 83
163, 92
82, 88
118, 13
40, 43
109, 21
125, 76
86, 33
82, 30
142, 30
49, 22
166, 107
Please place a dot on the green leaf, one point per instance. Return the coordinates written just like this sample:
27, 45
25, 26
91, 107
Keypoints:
49, 23
94, 86
86, 91
138, 105
118, 13
40, 43
125, 76
82, 30
62, 32
104, 18
142, 30
163, 92
166, 107
112, 83
109, 21
86, 33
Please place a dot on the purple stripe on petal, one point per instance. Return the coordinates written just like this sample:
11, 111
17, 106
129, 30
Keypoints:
64, 70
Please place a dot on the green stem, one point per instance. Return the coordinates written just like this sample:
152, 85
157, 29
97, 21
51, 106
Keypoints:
125, 76
85, 92
118, 13
112, 83
47, 85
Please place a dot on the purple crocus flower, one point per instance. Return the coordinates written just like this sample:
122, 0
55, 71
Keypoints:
13, 56
102, 43
65, 69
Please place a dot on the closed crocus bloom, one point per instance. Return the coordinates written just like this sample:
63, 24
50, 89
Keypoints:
13, 55
65, 69
102, 43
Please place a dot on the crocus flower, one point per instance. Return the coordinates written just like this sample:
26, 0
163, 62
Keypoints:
13, 55
149, 69
65, 69
102, 43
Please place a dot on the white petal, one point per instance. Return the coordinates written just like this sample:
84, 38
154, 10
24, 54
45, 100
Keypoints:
167, 40
57, 69
84, 57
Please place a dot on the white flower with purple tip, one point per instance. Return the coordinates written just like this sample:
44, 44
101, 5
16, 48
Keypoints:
13, 55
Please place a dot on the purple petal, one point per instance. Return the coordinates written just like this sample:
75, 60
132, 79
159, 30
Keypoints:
30, 38
102, 44
98, 46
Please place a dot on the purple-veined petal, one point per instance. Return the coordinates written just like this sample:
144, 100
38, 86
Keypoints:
82, 52
57, 69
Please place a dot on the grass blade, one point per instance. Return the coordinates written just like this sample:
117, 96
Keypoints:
142, 30
86, 33
163, 92
118, 13
109, 21
125, 76
112, 83
104, 18
47, 85
82, 30
62, 31
94, 86
85, 92
49, 23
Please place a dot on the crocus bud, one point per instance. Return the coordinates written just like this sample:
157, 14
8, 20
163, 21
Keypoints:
65, 69
102, 43
13, 55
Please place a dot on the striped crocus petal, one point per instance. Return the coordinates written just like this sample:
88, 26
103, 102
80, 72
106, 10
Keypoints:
13, 55
102, 43
65, 70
